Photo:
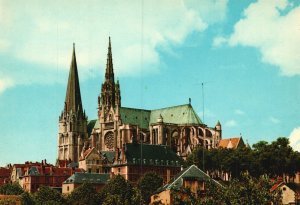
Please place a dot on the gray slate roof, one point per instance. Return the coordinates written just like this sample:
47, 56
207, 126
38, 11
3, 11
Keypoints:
192, 172
93, 178
33, 171
148, 154
110, 155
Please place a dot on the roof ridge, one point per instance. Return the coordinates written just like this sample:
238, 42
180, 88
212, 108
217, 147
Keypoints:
183, 172
131, 108
172, 107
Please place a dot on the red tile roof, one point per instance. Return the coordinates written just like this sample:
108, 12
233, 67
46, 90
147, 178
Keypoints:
86, 153
63, 163
231, 143
4, 172
275, 186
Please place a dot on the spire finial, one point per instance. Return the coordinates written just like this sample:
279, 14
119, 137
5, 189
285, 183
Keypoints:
109, 45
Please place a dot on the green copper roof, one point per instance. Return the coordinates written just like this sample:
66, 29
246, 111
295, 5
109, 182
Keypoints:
181, 114
91, 126
148, 154
135, 117
192, 172
79, 178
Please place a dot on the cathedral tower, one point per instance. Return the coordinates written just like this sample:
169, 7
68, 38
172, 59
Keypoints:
109, 103
73, 120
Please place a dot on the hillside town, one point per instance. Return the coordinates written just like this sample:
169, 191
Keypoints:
183, 159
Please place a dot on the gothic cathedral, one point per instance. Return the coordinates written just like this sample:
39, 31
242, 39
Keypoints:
177, 126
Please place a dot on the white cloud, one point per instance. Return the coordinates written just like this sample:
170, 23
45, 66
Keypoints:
239, 112
49, 29
4, 45
212, 11
219, 40
276, 35
41, 34
5, 83
295, 139
274, 120
231, 123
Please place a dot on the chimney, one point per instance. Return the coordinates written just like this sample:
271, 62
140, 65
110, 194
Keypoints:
51, 170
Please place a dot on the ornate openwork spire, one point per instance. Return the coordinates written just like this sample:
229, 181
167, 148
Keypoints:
109, 73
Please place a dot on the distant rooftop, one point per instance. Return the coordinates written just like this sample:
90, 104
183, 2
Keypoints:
93, 178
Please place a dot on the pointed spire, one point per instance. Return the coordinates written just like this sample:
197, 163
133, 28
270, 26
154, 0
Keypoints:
109, 74
73, 96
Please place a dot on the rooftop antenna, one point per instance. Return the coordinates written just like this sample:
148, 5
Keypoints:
141, 70
204, 142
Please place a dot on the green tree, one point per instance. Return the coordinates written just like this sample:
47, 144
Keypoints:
11, 189
244, 191
46, 195
148, 184
118, 189
84, 194
27, 199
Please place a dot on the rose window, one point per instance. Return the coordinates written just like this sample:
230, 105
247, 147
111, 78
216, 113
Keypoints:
109, 140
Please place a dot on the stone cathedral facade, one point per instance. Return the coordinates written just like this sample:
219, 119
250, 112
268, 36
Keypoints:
178, 127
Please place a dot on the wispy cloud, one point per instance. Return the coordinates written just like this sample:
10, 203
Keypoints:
258, 31
231, 123
5, 83
239, 112
295, 139
274, 120
219, 40
207, 114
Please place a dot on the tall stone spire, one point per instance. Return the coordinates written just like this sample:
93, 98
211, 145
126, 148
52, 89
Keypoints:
73, 96
109, 73
72, 131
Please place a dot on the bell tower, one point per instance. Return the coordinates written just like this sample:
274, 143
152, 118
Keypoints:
73, 120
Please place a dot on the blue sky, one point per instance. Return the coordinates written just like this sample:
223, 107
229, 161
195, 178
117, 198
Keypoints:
246, 52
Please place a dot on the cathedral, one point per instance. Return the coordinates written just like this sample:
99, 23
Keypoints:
178, 127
